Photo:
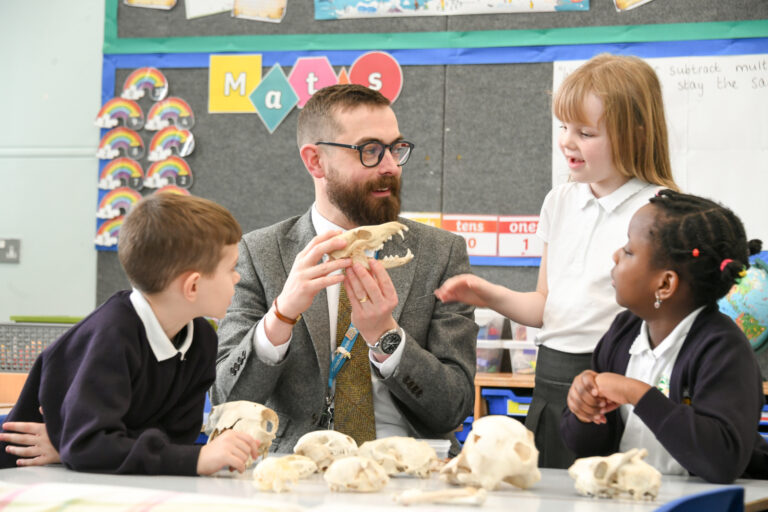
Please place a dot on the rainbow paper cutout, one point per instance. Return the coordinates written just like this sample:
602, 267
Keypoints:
173, 189
117, 202
120, 139
171, 171
145, 79
168, 140
170, 111
106, 235
121, 172
120, 109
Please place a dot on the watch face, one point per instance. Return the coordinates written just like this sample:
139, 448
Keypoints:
389, 342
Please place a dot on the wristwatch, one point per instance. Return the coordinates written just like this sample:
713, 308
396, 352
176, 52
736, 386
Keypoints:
387, 342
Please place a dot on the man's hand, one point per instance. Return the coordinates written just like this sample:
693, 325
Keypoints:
35, 448
372, 297
308, 276
229, 450
585, 400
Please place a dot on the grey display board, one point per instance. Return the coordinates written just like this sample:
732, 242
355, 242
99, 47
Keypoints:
482, 132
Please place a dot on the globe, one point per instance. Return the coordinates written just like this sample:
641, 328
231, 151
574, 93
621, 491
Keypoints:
747, 304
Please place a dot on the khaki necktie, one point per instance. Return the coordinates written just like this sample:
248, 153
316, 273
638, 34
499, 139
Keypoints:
353, 409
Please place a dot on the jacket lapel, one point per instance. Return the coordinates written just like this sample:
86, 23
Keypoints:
316, 317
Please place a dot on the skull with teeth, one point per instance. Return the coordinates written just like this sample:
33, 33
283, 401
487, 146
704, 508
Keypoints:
372, 238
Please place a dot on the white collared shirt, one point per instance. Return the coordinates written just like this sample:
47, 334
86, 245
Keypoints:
654, 367
582, 232
389, 421
161, 346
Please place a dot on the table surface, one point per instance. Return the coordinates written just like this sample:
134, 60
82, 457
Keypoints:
554, 492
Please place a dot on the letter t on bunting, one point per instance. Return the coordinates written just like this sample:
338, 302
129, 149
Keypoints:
353, 410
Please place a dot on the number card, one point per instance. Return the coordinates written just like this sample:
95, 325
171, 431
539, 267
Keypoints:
517, 236
480, 232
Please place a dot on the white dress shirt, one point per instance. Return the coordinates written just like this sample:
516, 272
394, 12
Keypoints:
389, 421
654, 367
161, 345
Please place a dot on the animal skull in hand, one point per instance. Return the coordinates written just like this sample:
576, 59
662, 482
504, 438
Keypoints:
498, 449
325, 446
254, 419
401, 455
356, 474
372, 238
606, 477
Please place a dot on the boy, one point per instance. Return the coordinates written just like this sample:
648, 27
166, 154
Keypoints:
123, 390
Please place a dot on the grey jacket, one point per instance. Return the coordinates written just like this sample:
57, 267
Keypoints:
433, 386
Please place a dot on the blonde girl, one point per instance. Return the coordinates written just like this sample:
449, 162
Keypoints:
614, 141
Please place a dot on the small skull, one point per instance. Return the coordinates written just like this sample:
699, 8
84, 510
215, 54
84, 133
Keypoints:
499, 449
401, 455
371, 238
607, 477
355, 474
325, 446
254, 419
275, 473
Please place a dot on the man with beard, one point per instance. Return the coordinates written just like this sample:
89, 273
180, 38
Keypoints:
278, 342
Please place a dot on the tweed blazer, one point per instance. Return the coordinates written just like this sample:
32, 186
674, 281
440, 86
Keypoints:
433, 386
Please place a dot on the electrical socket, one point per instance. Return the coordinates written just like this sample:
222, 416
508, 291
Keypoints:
10, 250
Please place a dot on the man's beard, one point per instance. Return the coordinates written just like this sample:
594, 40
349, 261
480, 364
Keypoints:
358, 205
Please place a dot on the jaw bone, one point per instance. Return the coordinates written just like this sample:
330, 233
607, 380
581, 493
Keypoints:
372, 238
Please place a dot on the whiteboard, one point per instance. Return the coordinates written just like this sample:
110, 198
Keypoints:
717, 117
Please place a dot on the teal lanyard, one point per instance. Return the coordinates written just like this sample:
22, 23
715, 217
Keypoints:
343, 352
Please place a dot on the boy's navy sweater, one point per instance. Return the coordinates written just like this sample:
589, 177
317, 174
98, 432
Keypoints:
109, 405
709, 422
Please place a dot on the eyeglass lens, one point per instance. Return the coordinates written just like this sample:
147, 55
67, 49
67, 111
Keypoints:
372, 153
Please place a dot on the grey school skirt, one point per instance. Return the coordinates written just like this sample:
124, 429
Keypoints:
555, 371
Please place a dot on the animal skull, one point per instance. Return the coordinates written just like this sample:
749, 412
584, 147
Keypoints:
372, 238
325, 446
254, 419
401, 455
461, 496
356, 474
274, 473
607, 477
497, 449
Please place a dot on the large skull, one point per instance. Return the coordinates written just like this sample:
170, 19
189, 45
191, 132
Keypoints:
254, 419
606, 477
325, 446
401, 455
498, 449
356, 474
371, 238
274, 473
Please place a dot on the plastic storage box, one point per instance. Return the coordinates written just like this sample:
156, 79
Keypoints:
522, 356
489, 355
461, 435
506, 402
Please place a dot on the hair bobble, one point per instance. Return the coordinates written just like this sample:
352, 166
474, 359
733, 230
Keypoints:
695, 253
724, 263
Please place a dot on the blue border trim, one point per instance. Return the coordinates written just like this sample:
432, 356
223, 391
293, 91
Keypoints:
501, 261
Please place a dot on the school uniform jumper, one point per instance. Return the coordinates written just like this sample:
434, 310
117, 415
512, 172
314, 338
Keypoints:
110, 405
581, 232
709, 421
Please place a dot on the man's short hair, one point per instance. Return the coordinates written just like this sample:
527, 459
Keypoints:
317, 121
166, 234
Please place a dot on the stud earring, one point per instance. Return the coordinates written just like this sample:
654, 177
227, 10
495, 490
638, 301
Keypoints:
657, 304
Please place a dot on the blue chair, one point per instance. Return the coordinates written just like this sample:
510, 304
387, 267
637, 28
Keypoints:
724, 499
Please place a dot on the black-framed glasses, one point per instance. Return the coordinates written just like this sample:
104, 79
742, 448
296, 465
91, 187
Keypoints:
372, 152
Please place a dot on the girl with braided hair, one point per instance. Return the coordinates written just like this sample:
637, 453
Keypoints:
673, 375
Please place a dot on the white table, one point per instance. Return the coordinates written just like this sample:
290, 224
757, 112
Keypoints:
554, 492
